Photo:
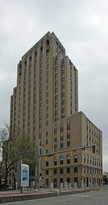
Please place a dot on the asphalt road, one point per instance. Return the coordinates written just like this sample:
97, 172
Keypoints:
87, 198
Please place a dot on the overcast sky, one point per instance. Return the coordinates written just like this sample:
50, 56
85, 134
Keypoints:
82, 28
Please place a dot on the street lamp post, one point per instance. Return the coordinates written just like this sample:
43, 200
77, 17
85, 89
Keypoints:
38, 164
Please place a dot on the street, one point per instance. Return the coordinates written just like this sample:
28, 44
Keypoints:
88, 198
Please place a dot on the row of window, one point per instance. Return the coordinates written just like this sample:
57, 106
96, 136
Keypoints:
92, 131
92, 171
61, 160
62, 128
62, 145
61, 181
61, 171
75, 170
91, 160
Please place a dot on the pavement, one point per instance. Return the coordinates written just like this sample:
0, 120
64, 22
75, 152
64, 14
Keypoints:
93, 197
16, 195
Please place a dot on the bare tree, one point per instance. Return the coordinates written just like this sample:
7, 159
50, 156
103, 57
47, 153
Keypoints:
15, 145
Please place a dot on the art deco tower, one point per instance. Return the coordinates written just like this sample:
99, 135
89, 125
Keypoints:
47, 89
44, 105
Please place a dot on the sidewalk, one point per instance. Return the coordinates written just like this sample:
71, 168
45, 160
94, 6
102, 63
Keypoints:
16, 195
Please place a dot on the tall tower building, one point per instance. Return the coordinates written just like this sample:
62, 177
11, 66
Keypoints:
45, 106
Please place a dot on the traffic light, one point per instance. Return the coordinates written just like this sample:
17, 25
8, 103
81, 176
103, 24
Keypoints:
45, 158
71, 153
93, 148
56, 155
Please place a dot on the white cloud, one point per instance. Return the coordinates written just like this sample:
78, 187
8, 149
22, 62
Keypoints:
81, 26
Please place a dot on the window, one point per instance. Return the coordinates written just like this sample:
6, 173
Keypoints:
62, 72
56, 112
55, 146
56, 69
55, 131
56, 105
47, 172
40, 72
47, 134
61, 138
40, 91
56, 83
61, 159
34, 95
55, 171
40, 136
63, 79
63, 102
40, 85
61, 171
47, 94
68, 126
84, 170
76, 179
47, 73
55, 161
34, 121
75, 169
68, 170
63, 110
47, 52
46, 123
90, 159
47, 80
75, 158
61, 180
47, 66
40, 59
68, 144
68, 135
41, 65
40, 104
68, 158
56, 75
84, 159
56, 61
68, 180
61, 129
47, 182
56, 90
61, 145
47, 87
40, 126
47, 101
63, 87
40, 78
55, 139
56, 97
47, 115
47, 108
47, 164
87, 157
62, 65
63, 94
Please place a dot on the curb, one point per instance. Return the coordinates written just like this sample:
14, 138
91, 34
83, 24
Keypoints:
23, 197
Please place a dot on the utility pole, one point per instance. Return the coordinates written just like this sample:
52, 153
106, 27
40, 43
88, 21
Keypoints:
38, 164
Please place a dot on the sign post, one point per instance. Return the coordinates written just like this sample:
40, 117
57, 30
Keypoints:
22, 175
